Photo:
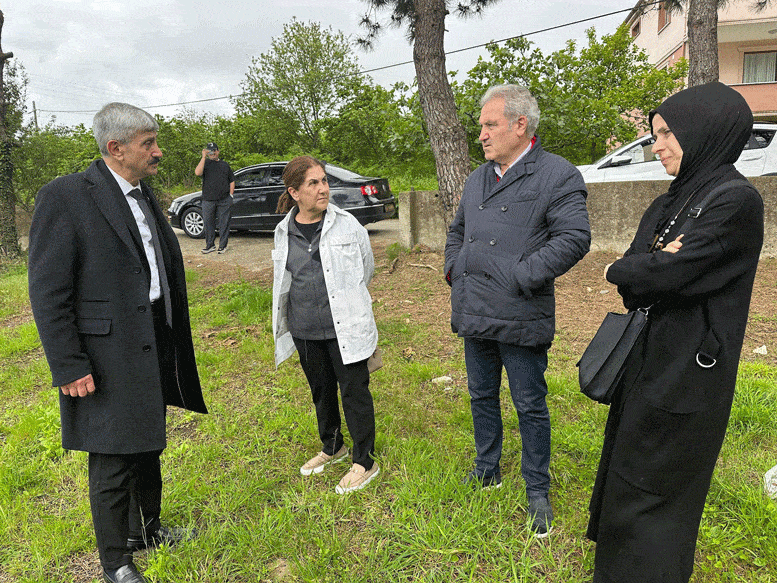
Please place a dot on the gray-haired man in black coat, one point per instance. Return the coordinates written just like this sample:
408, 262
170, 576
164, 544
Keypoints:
108, 294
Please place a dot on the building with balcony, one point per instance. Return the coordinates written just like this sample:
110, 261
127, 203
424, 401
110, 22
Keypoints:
747, 47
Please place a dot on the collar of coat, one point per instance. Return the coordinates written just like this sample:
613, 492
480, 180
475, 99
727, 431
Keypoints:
110, 200
329, 218
521, 168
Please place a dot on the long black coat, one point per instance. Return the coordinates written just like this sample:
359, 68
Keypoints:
666, 427
89, 281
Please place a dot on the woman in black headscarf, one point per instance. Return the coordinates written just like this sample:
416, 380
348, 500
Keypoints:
692, 261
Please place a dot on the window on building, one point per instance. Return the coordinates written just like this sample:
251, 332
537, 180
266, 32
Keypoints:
635, 29
760, 67
664, 17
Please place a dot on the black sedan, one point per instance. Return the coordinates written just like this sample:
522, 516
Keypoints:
258, 187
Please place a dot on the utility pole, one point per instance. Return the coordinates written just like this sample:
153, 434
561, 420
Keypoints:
9, 239
35, 115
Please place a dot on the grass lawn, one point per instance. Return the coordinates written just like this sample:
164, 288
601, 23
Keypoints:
233, 474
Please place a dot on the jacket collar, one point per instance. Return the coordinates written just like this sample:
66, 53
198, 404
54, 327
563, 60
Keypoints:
329, 219
523, 167
107, 195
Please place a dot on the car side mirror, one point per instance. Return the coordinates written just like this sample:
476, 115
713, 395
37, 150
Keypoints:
619, 161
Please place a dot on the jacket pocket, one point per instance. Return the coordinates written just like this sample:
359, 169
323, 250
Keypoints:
347, 264
94, 326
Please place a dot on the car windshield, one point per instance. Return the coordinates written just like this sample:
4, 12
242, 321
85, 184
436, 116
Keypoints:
646, 141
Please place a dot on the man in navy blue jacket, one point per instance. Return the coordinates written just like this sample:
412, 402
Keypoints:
521, 222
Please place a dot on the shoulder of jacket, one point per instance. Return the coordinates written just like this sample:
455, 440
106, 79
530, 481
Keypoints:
559, 163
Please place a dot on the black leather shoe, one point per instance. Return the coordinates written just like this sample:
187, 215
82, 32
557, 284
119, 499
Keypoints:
126, 574
163, 536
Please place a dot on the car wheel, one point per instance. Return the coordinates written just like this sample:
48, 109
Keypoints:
193, 224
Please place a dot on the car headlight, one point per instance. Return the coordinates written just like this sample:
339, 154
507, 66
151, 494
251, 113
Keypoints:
175, 206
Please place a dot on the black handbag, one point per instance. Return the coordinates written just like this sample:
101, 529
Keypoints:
603, 362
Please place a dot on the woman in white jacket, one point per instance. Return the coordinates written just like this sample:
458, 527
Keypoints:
321, 307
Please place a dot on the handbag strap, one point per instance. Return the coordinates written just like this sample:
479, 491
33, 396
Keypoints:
697, 210
706, 356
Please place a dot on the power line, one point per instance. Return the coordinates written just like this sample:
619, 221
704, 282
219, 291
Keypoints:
384, 67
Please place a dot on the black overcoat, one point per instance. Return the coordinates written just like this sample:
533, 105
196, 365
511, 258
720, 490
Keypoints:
667, 425
89, 282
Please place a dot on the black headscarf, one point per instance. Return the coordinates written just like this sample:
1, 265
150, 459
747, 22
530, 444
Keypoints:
712, 123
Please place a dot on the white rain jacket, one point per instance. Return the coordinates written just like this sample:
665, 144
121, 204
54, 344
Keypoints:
346, 257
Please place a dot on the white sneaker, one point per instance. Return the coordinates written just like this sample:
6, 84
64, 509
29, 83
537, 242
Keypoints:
316, 464
357, 478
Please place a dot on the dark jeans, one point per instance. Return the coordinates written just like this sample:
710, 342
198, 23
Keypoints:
525, 368
221, 209
324, 368
125, 494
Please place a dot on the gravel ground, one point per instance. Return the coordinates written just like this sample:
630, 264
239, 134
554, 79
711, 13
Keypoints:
252, 250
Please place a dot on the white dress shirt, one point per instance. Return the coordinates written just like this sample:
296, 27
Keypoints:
155, 291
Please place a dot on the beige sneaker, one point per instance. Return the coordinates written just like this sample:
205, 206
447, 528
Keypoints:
357, 478
316, 465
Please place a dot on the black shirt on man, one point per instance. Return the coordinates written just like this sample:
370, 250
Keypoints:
216, 178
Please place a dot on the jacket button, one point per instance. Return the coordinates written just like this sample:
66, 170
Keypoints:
504, 209
136, 270
465, 274
488, 276
492, 242
481, 207
141, 309
471, 238
147, 348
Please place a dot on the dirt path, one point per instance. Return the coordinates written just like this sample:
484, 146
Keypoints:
250, 252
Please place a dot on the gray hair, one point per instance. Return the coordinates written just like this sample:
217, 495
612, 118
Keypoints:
518, 102
121, 122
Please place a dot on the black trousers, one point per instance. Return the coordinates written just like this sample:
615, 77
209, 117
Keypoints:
323, 366
125, 494
125, 490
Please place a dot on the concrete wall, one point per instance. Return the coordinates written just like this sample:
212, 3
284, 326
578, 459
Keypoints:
614, 209
421, 220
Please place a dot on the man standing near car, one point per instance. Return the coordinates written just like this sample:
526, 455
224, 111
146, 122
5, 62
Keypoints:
108, 293
522, 222
218, 186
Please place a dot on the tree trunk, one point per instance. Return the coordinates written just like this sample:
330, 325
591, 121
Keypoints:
446, 134
702, 42
9, 239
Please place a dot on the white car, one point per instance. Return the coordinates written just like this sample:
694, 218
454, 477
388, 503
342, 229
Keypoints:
636, 161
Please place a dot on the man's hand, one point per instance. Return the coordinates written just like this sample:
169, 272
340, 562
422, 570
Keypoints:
674, 246
205, 153
79, 388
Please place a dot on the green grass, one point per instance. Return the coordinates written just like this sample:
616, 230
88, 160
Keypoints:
234, 473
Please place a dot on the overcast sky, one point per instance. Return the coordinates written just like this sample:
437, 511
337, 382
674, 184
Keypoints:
81, 54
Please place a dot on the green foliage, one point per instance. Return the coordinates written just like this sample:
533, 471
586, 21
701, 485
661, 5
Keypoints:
304, 96
47, 153
15, 83
587, 100
309, 72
